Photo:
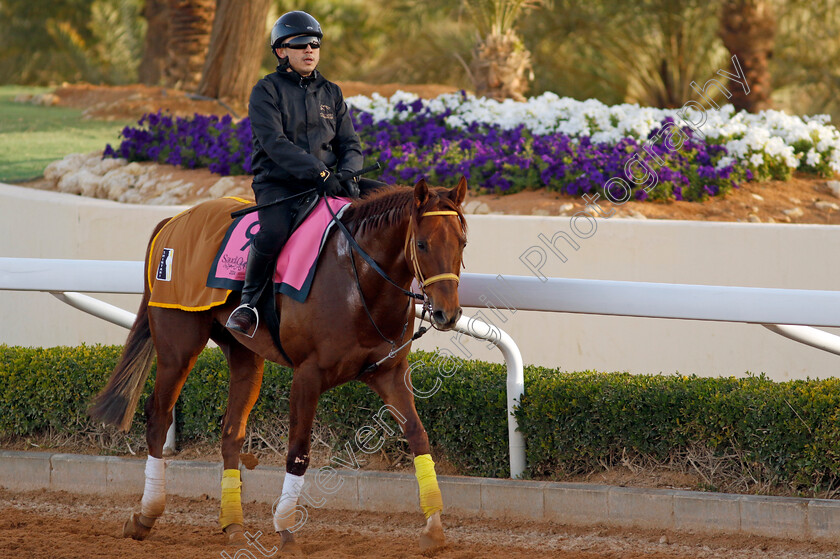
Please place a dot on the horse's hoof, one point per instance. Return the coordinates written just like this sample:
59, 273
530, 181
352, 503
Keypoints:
235, 534
288, 545
138, 526
432, 535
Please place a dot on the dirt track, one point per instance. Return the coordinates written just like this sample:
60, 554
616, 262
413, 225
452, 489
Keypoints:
41, 524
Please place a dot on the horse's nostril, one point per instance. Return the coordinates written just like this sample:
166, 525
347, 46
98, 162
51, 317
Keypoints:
460, 313
439, 317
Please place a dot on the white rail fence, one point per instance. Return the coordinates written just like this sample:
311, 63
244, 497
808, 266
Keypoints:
64, 279
790, 312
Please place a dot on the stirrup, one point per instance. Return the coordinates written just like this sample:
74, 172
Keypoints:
251, 331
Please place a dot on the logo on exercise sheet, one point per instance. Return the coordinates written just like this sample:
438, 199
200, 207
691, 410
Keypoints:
164, 271
327, 112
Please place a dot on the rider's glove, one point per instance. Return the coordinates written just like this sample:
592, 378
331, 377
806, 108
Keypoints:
350, 186
328, 184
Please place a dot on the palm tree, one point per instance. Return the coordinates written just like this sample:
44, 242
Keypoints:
501, 65
646, 51
238, 42
190, 25
150, 71
748, 29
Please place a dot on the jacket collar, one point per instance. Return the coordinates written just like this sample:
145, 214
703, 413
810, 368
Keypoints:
315, 78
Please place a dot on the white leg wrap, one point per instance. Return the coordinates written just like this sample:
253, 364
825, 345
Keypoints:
154, 494
284, 511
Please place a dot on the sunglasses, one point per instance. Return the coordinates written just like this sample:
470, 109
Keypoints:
300, 43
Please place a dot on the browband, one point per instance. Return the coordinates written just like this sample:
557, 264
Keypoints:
440, 212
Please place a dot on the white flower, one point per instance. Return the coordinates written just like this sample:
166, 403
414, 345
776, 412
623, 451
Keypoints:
823, 146
455, 122
834, 161
724, 161
753, 138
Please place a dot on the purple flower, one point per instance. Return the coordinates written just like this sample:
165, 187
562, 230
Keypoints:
678, 193
421, 144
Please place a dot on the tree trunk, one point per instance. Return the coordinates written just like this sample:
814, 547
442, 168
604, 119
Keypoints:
237, 46
748, 29
501, 67
190, 24
150, 71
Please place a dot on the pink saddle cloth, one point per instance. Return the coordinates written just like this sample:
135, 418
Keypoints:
296, 264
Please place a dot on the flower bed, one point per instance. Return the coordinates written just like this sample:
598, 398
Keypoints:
219, 144
574, 147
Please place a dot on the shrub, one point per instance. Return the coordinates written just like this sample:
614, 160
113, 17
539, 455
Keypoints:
783, 433
751, 428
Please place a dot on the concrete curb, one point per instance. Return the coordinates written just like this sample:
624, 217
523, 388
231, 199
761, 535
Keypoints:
567, 503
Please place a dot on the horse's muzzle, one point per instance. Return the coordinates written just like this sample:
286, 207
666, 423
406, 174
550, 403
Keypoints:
443, 321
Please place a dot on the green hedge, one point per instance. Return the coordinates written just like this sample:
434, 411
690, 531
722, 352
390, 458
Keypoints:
780, 433
788, 433
455, 417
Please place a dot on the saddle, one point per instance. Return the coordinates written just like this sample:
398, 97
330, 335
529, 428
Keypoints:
198, 258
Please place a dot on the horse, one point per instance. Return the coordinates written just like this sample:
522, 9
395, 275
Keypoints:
354, 324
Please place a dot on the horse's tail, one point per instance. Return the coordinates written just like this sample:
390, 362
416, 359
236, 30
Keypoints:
116, 403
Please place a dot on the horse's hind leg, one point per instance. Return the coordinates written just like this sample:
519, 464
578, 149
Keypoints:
179, 337
246, 373
393, 388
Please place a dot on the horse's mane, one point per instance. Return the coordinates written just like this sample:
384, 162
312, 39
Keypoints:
391, 206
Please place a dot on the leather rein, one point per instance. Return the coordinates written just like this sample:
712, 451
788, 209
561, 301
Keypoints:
411, 253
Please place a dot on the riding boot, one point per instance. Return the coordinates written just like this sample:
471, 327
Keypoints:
245, 318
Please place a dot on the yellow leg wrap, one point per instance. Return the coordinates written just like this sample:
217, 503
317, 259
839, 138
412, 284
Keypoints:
231, 511
430, 497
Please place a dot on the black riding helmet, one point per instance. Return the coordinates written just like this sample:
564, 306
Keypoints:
291, 24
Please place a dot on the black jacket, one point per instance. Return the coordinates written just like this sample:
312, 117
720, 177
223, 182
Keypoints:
300, 127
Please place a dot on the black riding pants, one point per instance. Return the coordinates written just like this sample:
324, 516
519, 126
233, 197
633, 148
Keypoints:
276, 220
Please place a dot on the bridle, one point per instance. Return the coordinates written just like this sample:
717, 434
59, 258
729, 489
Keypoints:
411, 241
411, 254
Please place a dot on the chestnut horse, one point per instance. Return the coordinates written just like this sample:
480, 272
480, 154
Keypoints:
352, 319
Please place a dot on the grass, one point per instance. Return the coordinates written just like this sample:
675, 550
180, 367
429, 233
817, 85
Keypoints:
32, 137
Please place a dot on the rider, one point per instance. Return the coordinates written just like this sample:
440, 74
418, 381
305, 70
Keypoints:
303, 138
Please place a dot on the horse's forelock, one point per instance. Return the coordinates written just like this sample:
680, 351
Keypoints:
440, 200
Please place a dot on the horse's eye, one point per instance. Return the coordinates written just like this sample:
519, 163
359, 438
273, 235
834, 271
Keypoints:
421, 245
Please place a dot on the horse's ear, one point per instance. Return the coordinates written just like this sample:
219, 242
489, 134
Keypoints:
421, 193
459, 193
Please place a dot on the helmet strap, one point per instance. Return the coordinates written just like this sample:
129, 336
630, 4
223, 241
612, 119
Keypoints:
282, 63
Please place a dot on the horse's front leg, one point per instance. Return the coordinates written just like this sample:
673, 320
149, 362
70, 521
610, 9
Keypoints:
392, 387
303, 400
